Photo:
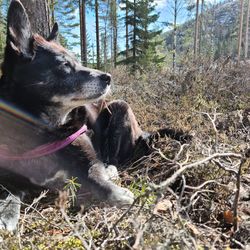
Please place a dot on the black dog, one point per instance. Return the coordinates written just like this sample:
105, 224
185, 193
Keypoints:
53, 96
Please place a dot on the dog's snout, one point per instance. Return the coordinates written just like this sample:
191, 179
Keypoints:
106, 77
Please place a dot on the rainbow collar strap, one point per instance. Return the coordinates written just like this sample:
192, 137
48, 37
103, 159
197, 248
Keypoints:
43, 150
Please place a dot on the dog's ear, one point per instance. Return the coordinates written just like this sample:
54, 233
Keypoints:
54, 33
19, 34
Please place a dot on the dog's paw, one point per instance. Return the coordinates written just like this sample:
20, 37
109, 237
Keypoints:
104, 190
9, 213
120, 196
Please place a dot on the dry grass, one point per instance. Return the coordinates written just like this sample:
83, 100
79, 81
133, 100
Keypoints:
187, 194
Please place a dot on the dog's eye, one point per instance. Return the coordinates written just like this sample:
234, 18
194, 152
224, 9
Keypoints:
64, 68
66, 64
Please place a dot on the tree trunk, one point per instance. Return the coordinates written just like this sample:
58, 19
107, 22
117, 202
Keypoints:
105, 56
83, 36
39, 16
196, 29
126, 23
97, 34
115, 30
134, 36
175, 35
247, 30
240, 29
111, 49
105, 38
201, 27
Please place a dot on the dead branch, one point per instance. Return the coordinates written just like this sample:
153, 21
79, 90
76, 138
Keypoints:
173, 178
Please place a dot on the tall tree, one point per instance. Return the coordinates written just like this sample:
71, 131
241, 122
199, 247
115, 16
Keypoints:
175, 34
247, 29
196, 30
201, 20
40, 20
134, 41
142, 52
106, 31
83, 31
126, 23
175, 7
147, 36
240, 29
125, 7
97, 34
113, 19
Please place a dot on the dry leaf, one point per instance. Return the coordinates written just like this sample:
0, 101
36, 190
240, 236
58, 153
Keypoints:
162, 206
228, 216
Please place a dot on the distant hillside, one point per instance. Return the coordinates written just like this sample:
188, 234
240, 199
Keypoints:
218, 32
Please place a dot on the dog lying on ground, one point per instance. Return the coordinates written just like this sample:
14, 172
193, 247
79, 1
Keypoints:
47, 98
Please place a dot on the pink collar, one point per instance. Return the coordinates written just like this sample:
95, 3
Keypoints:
43, 150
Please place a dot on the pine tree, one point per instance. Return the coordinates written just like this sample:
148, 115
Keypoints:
196, 30
175, 7
175, 12
105, 34
247, 29
201, 26
98, 64
240, 29
83, 31
141, 15
113, 24
127, 7
65, 15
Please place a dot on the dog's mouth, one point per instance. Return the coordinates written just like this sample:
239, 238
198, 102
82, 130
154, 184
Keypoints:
93, 97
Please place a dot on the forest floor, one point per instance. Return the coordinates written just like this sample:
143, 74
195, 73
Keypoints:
189, 196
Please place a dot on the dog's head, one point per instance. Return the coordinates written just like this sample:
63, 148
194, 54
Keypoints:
43, 76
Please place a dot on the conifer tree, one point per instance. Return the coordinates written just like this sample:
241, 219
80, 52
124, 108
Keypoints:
141, 14
240, 29
113, 24
105, 34
65, 15
196, 30
98, 63
247, 29
83, 31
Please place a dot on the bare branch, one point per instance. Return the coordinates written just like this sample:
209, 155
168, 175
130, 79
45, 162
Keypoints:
194, 164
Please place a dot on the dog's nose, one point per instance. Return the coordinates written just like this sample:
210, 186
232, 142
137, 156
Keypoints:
106, 77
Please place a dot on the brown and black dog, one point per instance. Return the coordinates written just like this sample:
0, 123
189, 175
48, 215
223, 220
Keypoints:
46, 96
